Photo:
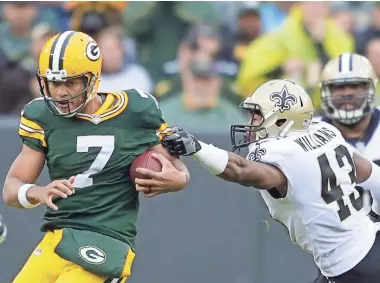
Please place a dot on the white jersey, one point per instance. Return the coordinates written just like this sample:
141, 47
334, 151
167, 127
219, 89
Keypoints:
322, 210
368, 145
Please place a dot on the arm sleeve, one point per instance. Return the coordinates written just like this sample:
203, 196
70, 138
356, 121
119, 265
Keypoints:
154, 120
151, 118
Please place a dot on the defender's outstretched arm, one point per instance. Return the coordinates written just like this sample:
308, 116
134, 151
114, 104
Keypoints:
234, 168
224, 164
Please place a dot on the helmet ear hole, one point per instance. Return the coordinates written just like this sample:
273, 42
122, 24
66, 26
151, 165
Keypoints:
280, 122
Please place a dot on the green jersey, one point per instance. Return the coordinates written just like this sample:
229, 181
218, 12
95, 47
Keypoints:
98, 150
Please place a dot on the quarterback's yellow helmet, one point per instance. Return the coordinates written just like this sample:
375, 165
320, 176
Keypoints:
356, 71
65, 56
283, 106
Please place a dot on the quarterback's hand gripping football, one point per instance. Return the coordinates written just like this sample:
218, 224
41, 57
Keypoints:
181, 143
45, 194
168, 180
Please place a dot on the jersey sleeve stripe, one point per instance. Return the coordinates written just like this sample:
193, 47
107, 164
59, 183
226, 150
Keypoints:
36, 135
163, 127
163, 131
30, 124
28, 129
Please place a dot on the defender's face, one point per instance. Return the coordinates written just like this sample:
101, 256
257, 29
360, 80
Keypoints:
67, 92
254, 119
348, 96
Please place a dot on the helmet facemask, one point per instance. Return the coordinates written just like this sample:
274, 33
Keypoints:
348, 108
270, 126
89, 81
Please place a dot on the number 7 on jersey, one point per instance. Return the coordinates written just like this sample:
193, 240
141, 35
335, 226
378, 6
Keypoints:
107, 146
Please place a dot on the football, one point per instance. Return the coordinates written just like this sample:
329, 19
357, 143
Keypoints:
144, 160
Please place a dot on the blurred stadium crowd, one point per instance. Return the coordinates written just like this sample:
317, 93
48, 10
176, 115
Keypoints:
199, 59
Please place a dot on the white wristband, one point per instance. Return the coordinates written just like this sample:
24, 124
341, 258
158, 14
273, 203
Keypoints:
22, 196
213, 158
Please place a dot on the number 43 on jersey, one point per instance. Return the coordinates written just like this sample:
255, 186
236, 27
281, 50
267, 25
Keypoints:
331, 191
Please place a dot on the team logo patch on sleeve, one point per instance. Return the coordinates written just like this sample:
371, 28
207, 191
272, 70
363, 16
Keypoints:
283, 99
92, 255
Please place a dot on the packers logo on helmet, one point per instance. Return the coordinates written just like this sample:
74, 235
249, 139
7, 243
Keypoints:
92, 51
348, 87
282, 106
66, 56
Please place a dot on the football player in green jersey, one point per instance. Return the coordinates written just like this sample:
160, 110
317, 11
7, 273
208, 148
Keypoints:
88, 140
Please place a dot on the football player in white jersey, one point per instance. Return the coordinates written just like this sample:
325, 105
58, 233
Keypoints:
306, 175
348, 88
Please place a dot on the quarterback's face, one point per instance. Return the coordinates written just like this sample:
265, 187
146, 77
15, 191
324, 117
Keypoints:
348, 96
69, 90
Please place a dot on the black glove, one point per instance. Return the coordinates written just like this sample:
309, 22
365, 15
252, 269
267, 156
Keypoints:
3, 230
181, 143
374, 216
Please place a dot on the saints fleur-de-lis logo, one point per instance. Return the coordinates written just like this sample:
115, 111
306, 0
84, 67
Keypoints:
257, 153
283, 99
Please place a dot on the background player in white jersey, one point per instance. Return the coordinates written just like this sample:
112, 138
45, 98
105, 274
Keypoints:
306, 175
348, 87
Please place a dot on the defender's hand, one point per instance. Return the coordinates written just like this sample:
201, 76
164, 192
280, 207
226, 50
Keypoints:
57, 188
3, 230
168, 180
181, 143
